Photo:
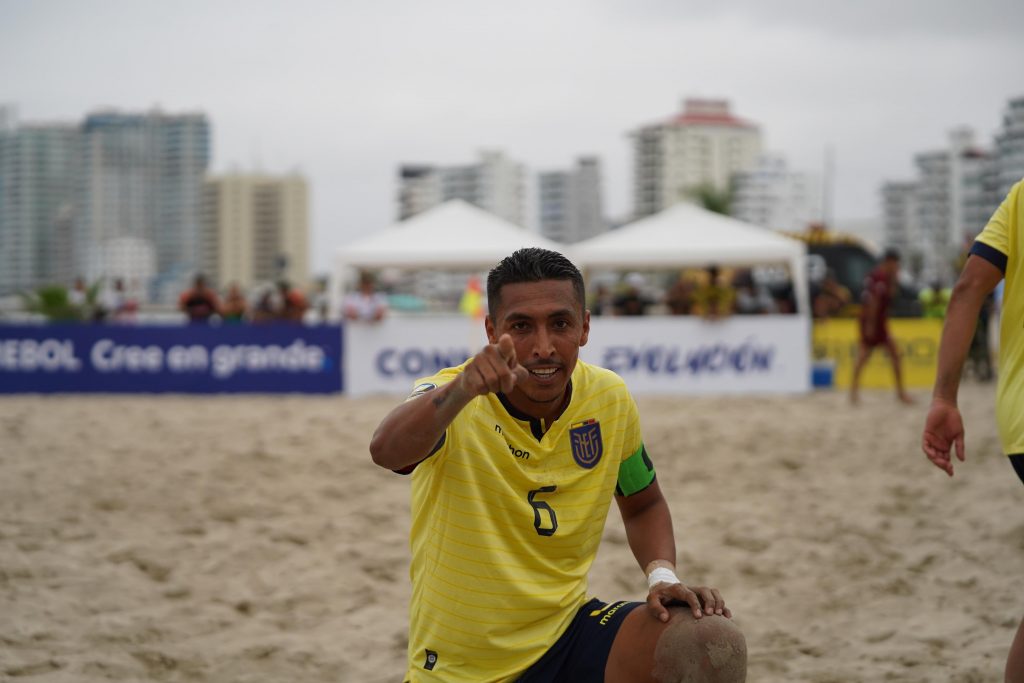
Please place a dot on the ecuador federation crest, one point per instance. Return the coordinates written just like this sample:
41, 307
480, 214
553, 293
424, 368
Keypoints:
585, 438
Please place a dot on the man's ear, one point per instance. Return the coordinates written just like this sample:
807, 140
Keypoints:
492, 336
586, 328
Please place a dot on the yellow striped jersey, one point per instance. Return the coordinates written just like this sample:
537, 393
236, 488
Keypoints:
507, 516
1000, 243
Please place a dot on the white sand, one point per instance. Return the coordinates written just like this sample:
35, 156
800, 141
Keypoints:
251, 539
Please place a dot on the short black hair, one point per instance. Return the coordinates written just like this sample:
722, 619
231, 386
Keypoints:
532, 264
891, 254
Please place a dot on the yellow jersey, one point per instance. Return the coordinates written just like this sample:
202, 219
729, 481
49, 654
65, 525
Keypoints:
1000, 243
507, 515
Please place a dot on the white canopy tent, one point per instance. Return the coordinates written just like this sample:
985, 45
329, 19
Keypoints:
455, 235
687, 235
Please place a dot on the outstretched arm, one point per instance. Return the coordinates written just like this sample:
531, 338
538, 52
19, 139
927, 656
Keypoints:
648, 524
944, 427
409, 432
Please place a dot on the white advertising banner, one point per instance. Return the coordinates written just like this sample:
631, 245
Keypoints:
655, 355
387, 357
692, 356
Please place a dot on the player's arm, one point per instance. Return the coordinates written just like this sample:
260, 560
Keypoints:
648, 524
408, 433
944, 427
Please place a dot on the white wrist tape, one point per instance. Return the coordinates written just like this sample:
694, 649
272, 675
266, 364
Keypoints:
661, 575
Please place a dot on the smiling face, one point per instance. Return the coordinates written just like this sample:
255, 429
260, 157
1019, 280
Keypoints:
548, 325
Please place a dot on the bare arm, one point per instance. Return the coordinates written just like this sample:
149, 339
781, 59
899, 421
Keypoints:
944, 426
648, 523
412, 429
976, 282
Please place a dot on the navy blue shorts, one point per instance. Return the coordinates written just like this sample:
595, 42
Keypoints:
580, 654
1017, 460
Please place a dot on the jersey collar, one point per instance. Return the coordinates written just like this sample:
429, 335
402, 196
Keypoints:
538, 427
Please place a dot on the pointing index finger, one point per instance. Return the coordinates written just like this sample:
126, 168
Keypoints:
507, 350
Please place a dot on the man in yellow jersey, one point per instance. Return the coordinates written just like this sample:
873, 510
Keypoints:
515, 457
995, 255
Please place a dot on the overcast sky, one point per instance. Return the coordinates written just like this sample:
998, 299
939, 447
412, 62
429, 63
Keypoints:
345, 91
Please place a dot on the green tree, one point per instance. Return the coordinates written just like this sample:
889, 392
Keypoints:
712, 199
53, 302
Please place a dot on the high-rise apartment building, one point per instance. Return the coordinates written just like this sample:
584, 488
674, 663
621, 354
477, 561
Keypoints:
494, 183
39, 177
701, 147
772, 196
899, 203
143, 176
933, 217
255, 229
1009, 147
570, 202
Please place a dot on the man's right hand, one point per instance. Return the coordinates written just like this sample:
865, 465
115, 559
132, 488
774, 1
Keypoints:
494, 369
943, 429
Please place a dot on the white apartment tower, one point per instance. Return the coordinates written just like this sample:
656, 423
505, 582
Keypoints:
935, 217
570, 202
701, 147
39, 177
255, 229
494, 184
143, 176
899, 203
1009, 147
772, 196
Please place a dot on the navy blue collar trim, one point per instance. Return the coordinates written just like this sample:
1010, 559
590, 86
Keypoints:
537, 426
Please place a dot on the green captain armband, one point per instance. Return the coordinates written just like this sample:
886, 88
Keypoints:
635, 473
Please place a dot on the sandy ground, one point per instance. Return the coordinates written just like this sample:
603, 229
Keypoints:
251, 539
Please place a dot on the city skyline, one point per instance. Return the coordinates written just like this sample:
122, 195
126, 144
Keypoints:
348, 94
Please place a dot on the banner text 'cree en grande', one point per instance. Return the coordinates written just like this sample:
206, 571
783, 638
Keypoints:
273, 358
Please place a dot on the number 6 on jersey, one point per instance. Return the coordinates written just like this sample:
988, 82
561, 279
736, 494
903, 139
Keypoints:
539, 505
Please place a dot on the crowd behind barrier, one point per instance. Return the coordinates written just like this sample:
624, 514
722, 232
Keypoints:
706, 331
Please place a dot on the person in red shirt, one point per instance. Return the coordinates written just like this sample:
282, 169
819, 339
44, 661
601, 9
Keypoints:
200, 303
293, 302
880, 286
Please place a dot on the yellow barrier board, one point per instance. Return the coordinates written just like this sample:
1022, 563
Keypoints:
916, 338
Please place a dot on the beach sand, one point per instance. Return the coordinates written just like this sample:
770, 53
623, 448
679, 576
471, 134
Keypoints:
229, 539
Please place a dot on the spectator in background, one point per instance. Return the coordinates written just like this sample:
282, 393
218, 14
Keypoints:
367, 304
632, 300
293, 302
122, 307
751, 298
831, 298
679, 297
320, 301
602, 303
267, 306
934, 300
78, 295
199, 303
235, 308
713, 299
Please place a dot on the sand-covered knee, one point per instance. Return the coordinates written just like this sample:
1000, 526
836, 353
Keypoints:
707, 650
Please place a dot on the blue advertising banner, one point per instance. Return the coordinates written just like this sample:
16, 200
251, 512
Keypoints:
193, 359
